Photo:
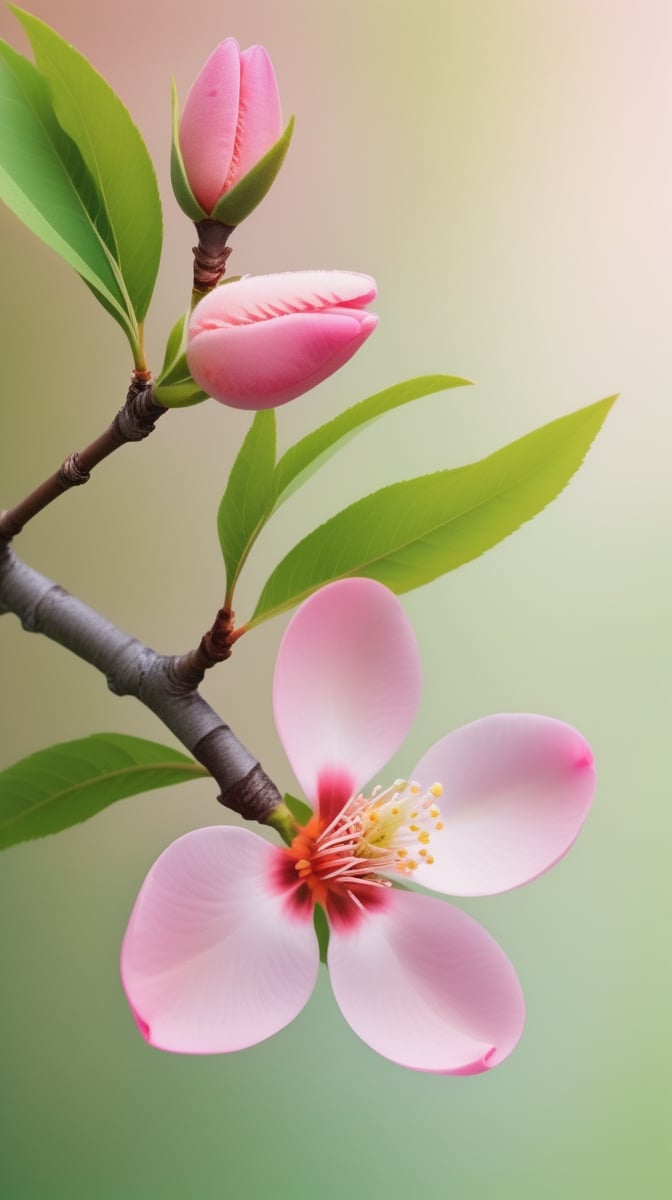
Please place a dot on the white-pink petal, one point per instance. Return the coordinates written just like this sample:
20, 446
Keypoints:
347, 684
209, 122
262, 297
266, 364
426, 986
517, 788
211, 962
259, 116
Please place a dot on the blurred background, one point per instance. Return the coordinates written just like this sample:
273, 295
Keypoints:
502, 167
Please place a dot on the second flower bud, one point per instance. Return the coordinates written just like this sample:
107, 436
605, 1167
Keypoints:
263, 340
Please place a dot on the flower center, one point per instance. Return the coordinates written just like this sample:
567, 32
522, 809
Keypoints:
388, 831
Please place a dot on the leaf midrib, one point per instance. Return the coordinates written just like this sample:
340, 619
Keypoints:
108, 776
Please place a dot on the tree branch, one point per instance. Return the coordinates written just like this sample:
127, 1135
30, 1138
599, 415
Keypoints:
135, 421
132, 668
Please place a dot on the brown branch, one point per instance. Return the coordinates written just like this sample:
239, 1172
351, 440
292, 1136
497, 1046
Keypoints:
132, 668
135, 421
210, 255
188, 670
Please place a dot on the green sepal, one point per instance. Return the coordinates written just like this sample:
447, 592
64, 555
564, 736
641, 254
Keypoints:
301, 811
178, 176
237, 204
321, 931
175, 387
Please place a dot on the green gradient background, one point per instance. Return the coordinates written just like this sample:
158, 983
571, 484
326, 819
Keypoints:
503, 168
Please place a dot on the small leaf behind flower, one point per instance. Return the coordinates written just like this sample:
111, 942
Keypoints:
412, 532
68, 783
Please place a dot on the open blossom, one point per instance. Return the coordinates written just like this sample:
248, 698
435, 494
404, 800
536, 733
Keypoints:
260, 341
220, 950
231, 118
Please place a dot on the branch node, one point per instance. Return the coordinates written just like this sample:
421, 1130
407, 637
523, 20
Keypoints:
210, 254
72, 473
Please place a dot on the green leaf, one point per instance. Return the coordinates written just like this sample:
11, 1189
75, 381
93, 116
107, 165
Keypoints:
307, 456
178, 175
410, 533
304, 458
59, 787
175, 388
301, 811
173, 345
321, 926
114, 152
45, 182
237, 204
245, 502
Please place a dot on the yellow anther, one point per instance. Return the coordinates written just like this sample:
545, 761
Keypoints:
414, 828
423, 838
429, 859
414, 789
414, 814
395, 812
422, 853
373, 816
434, 812
439, 824
436, 790
402, 853
412, 864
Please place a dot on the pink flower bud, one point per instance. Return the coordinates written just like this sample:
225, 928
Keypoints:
265, 339
231, 118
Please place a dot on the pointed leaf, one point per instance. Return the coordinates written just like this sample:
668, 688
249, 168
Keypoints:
114, 152
304, 458
410, 533
234, 206
65, 784
173, 345
45, 181
244, 503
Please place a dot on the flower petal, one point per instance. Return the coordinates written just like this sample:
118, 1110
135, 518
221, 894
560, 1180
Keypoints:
211, 961
263, 297
208, 124
259, 116
423, 984
265, 364
517, 789
347, 685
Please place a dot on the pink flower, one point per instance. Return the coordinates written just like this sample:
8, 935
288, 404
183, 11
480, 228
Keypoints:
231, 118
263, 340
220, 950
